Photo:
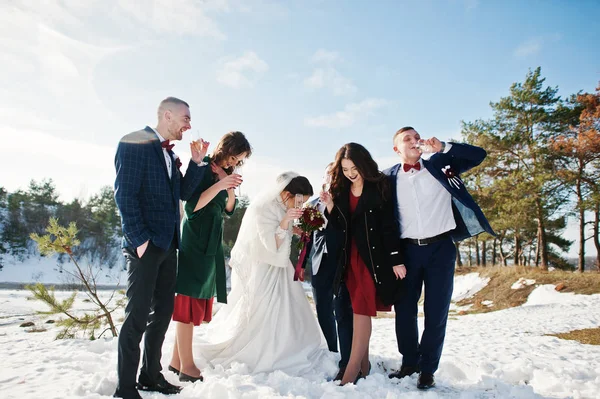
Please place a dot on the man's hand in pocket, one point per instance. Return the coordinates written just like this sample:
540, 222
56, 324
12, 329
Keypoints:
142, 248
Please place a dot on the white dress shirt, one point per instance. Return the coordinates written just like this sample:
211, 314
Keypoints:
168, 158
425, 206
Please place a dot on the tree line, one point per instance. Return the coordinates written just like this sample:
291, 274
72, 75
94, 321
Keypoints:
543, 167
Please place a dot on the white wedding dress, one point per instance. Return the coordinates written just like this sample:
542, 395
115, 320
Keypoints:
267, 323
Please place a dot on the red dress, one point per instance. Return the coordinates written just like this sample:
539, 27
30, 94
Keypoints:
188, 310
359, 281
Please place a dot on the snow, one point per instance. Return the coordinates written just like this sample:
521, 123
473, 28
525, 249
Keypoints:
522, 283
546, 294
467, 285
49, 271
502, 354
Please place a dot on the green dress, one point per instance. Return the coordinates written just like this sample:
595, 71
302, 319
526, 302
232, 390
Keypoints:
201, 263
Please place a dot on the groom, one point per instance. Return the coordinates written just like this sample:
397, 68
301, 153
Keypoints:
148, 188
433, 209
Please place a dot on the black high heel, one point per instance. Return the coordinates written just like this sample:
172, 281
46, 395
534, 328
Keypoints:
173, 369
188, 378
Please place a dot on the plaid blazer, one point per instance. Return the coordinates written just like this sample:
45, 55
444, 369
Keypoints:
147, 199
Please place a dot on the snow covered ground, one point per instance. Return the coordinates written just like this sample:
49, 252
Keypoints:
503, 354
49, 271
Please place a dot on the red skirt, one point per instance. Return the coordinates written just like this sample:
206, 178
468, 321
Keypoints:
192, 310
361, 287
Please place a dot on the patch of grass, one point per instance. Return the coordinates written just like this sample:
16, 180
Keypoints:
502, 278
589, 336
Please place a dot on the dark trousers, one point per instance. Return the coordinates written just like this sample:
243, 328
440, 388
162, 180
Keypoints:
150, 294
330, 311
344, 318
432, 265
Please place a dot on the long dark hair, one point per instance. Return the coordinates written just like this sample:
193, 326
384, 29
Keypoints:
231, 144
366, 166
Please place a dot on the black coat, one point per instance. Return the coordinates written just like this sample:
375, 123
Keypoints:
374, 229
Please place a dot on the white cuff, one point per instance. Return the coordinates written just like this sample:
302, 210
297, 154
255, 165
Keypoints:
281, 233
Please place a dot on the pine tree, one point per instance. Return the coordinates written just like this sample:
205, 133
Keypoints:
62, 240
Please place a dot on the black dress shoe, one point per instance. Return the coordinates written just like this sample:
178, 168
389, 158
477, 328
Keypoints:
340, 374
173, 369
426, 381
404, 371
164, 387
183, 377
133, 394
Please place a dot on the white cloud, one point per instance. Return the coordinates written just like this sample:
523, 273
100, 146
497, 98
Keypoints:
325, 56
177, 16
348, 117
330, 78
77, 168
243, 71
529, 47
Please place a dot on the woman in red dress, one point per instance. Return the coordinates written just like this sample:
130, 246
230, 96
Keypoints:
371, 263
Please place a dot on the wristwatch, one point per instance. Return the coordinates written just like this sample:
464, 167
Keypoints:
443, 146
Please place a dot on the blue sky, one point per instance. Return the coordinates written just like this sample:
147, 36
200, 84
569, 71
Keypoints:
300, 78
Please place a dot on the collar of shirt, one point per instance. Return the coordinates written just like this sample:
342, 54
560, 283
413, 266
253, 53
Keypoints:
161, 138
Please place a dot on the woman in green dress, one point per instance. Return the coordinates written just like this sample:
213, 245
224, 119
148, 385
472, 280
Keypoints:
201, 263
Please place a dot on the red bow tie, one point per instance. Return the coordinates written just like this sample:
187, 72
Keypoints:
167, 144
408, 166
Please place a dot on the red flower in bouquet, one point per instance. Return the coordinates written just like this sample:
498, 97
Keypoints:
311, 220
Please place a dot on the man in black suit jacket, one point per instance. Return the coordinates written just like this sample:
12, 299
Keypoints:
324, 243
148, 188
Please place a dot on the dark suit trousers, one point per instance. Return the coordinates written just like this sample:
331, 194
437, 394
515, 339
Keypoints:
330, 311
433, 266
345, 318
150, 294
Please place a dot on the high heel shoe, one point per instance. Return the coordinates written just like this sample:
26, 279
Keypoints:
173, 369
188, 378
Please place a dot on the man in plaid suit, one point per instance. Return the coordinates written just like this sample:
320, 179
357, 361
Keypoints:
148, 188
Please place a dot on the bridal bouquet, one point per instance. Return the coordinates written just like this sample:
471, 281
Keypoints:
310, 221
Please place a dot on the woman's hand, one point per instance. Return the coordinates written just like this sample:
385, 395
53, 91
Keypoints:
293, 213
218, 171
231, 181
326, 199
198, 148
399, 271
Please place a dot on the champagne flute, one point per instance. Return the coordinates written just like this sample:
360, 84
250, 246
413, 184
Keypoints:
195, 135
421, 146
298, 202
238, 170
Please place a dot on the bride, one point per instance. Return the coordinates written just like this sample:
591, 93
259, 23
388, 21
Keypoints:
268, 323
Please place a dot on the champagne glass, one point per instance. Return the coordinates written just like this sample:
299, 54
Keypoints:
421, 146
238, 170
298, 202
195, 134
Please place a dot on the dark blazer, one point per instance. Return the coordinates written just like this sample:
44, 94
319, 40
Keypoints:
147, 199
469, 218
373, 227
316, 247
